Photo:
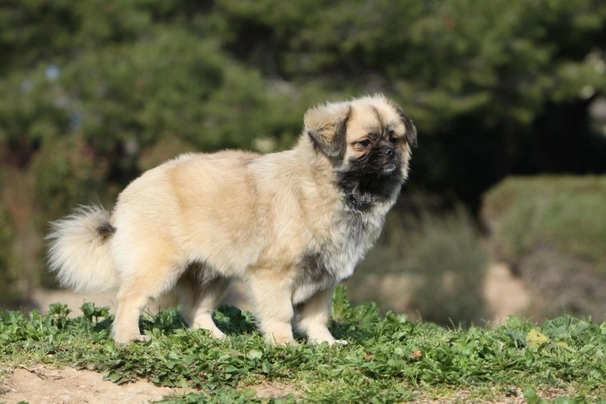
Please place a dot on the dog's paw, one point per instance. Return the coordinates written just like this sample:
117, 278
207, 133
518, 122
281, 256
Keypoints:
125, 339
282, 341
216, 333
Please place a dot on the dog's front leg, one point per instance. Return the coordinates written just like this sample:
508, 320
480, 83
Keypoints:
312, 317
272, 297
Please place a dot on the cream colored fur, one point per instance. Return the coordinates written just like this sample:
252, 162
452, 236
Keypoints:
76, 244
277, 221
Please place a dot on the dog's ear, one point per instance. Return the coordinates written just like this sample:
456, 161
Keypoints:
326, 125
410, 133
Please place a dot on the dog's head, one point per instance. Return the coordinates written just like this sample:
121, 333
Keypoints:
369, 142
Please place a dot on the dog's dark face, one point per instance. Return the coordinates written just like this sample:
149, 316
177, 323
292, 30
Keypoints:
369, 141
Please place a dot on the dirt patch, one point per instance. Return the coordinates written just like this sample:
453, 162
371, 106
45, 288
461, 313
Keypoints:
504, 293
47, 385
271, 389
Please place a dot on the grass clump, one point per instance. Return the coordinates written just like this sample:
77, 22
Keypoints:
388, 358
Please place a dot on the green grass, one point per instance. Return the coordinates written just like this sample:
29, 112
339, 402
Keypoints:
388, 358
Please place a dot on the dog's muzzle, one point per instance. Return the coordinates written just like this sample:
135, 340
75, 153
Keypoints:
387, 159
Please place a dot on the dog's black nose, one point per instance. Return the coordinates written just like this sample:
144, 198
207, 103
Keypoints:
389, 152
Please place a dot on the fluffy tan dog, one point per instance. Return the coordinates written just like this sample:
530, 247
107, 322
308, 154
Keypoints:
291, 225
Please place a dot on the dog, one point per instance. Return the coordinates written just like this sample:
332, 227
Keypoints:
291, 224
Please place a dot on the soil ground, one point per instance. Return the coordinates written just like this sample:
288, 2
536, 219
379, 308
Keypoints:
47, 385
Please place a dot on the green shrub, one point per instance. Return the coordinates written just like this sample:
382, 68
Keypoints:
552, 231
450, 265
64, 174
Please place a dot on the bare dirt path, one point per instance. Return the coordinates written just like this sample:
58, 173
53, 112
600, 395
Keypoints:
505, 294
47, 385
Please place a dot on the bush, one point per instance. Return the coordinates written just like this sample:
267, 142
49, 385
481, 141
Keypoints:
8, 291
436, 264
447, 259
551, 230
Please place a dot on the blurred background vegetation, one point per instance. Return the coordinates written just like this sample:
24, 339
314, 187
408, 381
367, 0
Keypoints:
95, 92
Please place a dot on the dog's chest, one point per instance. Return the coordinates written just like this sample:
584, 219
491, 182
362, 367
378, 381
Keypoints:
352, 238
335, 258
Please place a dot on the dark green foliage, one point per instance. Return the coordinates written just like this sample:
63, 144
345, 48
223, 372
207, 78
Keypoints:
499, 60
8, 292
97, 91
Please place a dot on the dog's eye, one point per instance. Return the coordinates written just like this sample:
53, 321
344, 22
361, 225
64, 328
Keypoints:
364, 143
392, 137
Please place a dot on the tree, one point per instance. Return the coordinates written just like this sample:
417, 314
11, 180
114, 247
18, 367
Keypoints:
97, 91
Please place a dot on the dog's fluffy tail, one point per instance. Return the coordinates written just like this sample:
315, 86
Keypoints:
79, 250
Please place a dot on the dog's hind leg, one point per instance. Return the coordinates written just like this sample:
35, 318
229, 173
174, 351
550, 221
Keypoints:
200, 293
126, 324
150, 279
